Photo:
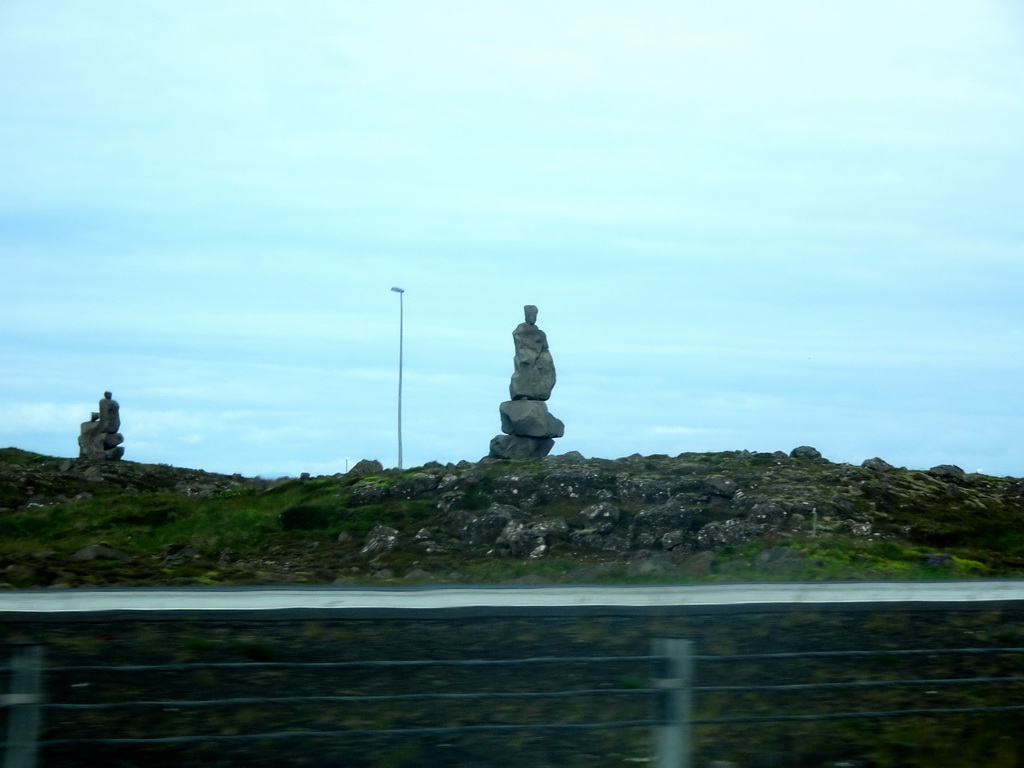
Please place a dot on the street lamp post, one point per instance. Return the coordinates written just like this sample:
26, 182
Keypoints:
401, 324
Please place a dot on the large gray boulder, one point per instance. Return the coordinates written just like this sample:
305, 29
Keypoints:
529, 418
805, 452
488, 527
534, 539
517, 447
365, 467
949, 472
534, 375
379, 540
877, 464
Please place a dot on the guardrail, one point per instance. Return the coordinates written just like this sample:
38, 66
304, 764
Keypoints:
669, 692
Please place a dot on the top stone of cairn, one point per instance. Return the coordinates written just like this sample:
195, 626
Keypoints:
534, 375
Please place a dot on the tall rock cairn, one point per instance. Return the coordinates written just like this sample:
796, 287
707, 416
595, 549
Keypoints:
100, 438
528, 427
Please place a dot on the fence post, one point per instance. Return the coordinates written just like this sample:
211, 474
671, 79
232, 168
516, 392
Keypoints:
675, 676
23, 705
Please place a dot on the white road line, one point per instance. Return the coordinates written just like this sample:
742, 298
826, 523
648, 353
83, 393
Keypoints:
344, 598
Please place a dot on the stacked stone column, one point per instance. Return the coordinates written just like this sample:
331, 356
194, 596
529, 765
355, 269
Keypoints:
529, 429
99, 438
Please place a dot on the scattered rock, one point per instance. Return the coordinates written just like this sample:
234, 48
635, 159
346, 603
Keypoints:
488, 527
716, 485
673, 540
510, 489
455, 520
101, 551
602, 539
877, 464
805, 452
651, 525
570, 482
369, 491
727, 532
365, 467
424, 539
565, 458
598, 514
631, 489
379, 540
469, 477
533, 540
856, 527
948, 472
414, 486
767, 513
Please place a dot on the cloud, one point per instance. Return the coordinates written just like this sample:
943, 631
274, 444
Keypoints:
43, 418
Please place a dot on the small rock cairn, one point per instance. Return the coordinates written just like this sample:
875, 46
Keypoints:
528, 427
100, 438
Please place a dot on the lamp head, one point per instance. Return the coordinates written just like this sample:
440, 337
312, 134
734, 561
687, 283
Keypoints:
398, 290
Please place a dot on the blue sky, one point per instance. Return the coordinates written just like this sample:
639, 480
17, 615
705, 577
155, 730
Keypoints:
747, 225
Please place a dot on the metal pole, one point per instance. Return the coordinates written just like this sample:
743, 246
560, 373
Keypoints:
401, 342
24, 699
672, 739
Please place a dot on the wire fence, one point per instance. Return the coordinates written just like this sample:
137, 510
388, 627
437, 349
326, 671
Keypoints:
657, 693
859, 684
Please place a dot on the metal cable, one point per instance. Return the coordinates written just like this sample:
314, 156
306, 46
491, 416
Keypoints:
439, 731
837, 654
414, 697
409, 697
857, 684
257, 665
854, 715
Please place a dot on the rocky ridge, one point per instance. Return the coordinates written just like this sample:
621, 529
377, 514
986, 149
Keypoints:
688, 516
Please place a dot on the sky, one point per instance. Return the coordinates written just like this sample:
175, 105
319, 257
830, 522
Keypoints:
746, 225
